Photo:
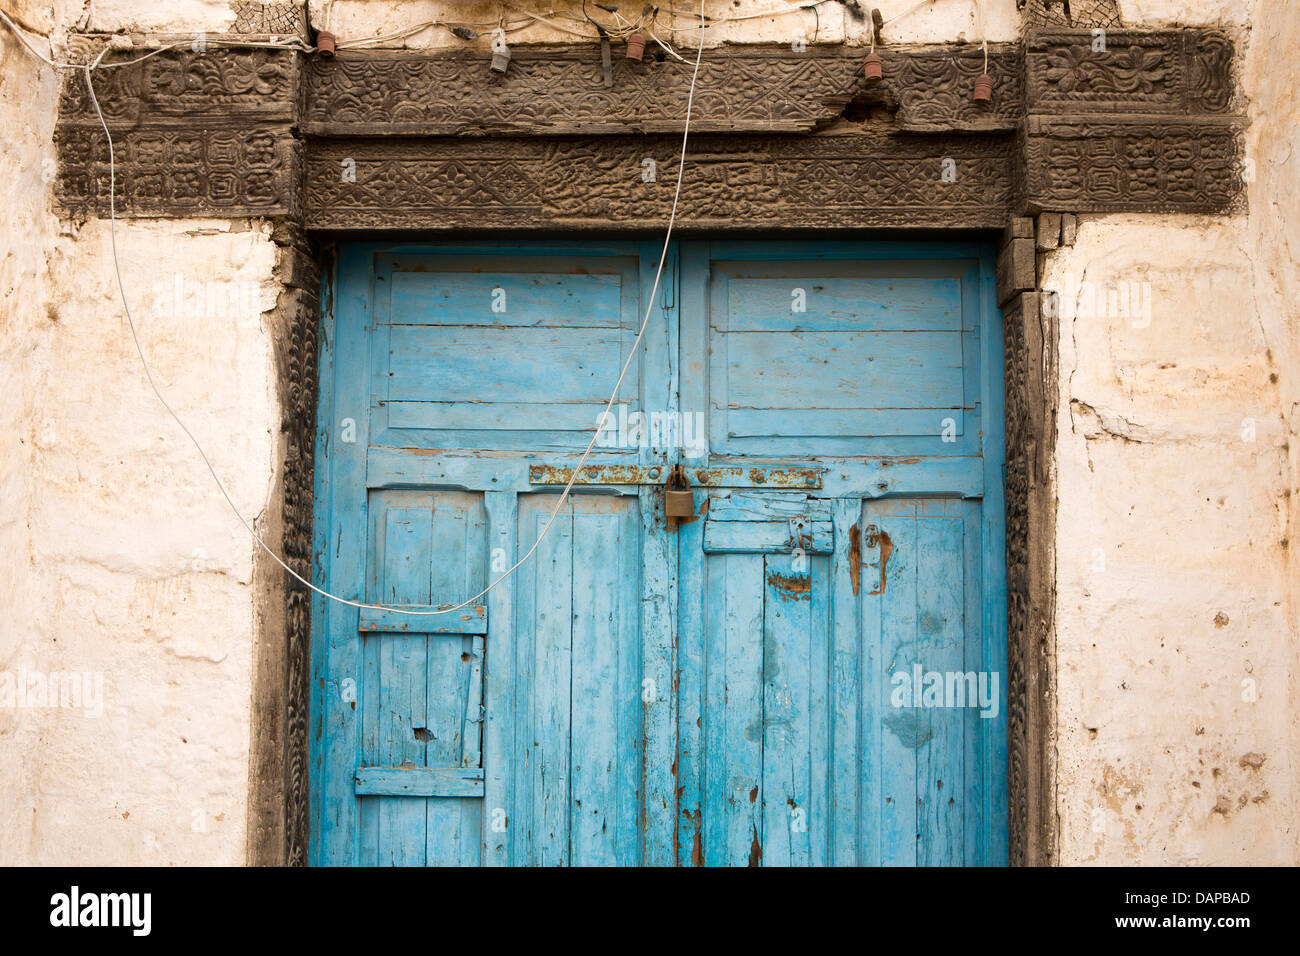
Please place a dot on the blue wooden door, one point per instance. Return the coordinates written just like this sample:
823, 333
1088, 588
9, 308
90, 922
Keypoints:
841, 649
734, 688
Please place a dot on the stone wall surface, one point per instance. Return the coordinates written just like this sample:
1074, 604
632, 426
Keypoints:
1178, 595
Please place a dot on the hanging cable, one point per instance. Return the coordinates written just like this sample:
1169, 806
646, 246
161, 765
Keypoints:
88, 71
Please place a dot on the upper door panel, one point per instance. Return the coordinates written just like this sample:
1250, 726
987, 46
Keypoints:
497, 352
840, 357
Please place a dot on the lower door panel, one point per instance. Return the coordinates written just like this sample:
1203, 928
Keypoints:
839, 704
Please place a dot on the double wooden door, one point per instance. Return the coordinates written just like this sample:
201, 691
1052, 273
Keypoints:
809, 669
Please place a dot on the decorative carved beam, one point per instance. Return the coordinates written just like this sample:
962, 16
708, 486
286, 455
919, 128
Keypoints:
1148, 123
731, 183
195, 134
437, 141
560, 91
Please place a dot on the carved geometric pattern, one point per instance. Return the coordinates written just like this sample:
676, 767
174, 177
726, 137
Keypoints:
934, 88
560, 91
299, 423
1019, 434
194, 133
187, 88
1170, 71
1142, 122
179, 171
215, 133
1134, 167
1030, 390
729, 182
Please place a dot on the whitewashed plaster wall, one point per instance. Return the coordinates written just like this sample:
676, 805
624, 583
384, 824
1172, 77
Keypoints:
1177, 631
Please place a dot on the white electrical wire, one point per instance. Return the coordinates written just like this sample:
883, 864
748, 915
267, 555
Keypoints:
577, 470
297, 45
704, 24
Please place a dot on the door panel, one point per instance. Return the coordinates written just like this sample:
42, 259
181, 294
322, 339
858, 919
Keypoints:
847, 357
420, 694
577, 678
467, 348
813, 748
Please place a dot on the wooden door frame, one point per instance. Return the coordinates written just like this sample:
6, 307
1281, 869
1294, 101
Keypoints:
1013, 512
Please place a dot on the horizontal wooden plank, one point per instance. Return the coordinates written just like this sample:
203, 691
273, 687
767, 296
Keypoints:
496, 416
835, 477
502, 300
468, 620
765, 537
839, 369
410, 467
419, 782
555, 89
767, 506
843, 304
842, 422
448, 185
708, 477
463, 363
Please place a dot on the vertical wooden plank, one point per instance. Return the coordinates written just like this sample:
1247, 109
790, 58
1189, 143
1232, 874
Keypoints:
819, 817
475, 578
994, 565
457, 558
446, 683
371, 679
787, 685
325, 697
873, 684
403, 670
658, 559
550, 690
499, 742
658, 663
940, 639
734, 712
847, 846
693, 598
594, 755
626, 584
973, 792
472, 735
523, 664
903, 729
343, 535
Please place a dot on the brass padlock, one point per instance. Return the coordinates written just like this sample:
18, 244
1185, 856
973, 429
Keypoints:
678, 500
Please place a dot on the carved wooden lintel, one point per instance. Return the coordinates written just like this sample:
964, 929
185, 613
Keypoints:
1150, 122
559, 91
731, 183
